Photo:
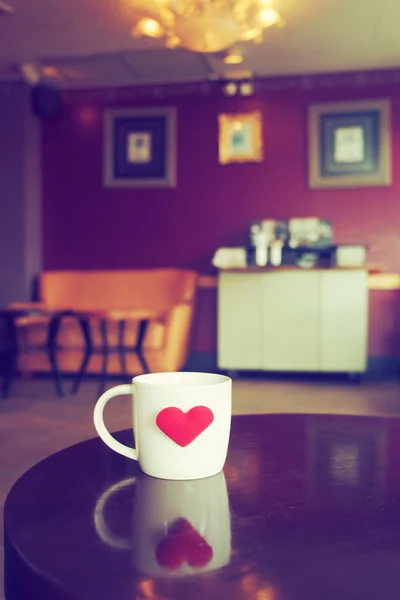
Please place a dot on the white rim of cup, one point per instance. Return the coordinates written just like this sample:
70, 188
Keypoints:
147, 377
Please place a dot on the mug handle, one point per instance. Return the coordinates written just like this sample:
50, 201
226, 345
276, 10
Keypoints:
99, 522
101, 429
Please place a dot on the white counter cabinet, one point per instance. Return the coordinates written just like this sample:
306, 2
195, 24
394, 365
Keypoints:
293, 320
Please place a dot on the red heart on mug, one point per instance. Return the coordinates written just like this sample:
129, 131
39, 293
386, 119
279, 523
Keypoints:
182, 427
183, 544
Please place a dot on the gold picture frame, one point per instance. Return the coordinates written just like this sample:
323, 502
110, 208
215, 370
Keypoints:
349, 144
240, 138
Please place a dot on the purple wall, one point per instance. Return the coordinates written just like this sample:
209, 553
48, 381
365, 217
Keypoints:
89, 226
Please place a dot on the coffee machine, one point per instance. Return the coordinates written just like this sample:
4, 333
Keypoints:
289, 242
266, 240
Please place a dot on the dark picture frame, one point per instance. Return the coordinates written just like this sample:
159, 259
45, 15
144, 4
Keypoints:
140, 147
350, 144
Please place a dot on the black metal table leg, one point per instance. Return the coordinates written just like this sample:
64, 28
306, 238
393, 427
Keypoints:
54, 327
121, 347
105, 350
104, 353
85, 328
9, 354
142, 329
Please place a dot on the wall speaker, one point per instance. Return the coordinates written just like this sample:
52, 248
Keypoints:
46, 101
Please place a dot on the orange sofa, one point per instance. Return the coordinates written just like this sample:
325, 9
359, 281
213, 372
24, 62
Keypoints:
168, 292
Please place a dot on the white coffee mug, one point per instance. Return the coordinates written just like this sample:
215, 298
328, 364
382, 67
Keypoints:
180, 528
181, 421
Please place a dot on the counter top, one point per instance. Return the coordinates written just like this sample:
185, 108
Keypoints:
270, 269
377, 278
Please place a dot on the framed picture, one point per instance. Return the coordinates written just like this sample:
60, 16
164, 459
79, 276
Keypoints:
240, 138
349, 144
140, 148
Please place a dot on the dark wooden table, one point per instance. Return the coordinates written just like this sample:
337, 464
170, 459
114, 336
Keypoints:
37, 312
104, 317
10, 319
314, 514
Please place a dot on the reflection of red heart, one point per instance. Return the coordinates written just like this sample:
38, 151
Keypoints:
183, 543
182, 427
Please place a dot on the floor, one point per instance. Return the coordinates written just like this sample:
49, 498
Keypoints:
34, 422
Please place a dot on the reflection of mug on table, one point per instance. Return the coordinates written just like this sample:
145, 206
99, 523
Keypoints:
179, 527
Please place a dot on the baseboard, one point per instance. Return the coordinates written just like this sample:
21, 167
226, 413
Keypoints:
383, 367
379, 367
202, 362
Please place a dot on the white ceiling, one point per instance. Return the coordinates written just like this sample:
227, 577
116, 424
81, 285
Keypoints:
89, 42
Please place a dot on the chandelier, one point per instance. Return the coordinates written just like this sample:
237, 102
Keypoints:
204, 25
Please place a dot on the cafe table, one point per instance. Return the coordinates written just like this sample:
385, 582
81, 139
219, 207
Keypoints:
25, 314
307, 508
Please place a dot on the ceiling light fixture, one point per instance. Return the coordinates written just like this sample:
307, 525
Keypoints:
149, 27
30, 73
242, 88
233, 58
6, 8
50, 72
230, 89
204, 25
246, 88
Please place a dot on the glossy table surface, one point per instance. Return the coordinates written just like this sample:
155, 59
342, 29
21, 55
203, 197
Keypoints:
308, 508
